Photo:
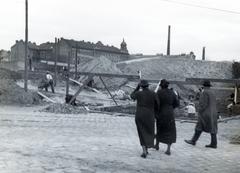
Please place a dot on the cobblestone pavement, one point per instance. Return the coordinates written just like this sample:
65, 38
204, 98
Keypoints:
33, 142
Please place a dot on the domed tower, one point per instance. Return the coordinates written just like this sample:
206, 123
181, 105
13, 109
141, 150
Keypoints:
124, 46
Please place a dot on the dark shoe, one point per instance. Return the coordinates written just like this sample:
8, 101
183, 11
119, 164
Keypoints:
211, 146
156, 147
144, 155
190, 142
168, 153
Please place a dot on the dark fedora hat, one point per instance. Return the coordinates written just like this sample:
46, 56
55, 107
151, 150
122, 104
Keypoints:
207, 83
143, 83
164, 83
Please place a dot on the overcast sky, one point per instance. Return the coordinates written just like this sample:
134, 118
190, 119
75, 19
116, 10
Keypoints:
142, 23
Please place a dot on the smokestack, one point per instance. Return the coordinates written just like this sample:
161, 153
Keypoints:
168, 43
203, 54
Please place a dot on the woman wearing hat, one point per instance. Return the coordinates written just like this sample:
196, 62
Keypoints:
207, 117
166, 128
147, 104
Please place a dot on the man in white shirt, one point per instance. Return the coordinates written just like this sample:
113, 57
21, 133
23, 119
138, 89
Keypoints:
191, 110
50, 80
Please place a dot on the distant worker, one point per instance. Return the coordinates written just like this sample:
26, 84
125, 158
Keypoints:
50, 81
191, 110
207, 117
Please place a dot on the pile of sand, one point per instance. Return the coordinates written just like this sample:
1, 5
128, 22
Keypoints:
11, 93
64, 109
104, 65
178, 68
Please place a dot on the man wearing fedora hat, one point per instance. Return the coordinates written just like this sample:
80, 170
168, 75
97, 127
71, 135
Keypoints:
147, 104
207, 118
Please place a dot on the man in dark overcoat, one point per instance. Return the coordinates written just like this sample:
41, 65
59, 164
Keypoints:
147, 104
207, 118
166, 128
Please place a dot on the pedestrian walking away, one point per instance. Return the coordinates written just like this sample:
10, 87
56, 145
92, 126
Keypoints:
147, 105
207, 116
166, 128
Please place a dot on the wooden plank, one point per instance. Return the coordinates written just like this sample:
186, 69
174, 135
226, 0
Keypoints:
174, 82
44, 96
199, 80
110, 75
79, 83
157, 87
228, 119
235, 94
81, 88
171, 82
130, 86
222, 88
220, 120
108, 90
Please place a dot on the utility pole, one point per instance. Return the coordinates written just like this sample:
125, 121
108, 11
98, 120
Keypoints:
26, 48
168, 42
56, 58
76, 60
203, 54
68, 72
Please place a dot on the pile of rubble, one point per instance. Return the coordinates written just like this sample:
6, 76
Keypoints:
235, 139
11, 93
64, 109
8, 74
103, 65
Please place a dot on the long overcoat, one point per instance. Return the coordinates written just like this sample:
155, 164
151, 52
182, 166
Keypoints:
147, 105
207, 117
166, 128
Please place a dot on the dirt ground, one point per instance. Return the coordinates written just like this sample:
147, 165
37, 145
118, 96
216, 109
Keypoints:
33, 141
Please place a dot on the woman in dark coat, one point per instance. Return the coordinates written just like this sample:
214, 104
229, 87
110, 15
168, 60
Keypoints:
166, 128
147, 103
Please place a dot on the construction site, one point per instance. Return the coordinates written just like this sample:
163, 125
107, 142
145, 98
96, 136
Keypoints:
101, 112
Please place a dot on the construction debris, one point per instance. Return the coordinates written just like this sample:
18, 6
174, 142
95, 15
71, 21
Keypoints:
64, 109
103, 65
8, 74
235, 139
44, 96
11, 93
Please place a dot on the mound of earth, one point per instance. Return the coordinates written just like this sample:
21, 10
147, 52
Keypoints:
64, 109
104, 65
8, 74
11, 93
177, 68
180, 68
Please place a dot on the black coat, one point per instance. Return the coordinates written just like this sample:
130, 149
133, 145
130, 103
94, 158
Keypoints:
166, 128
147, 103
